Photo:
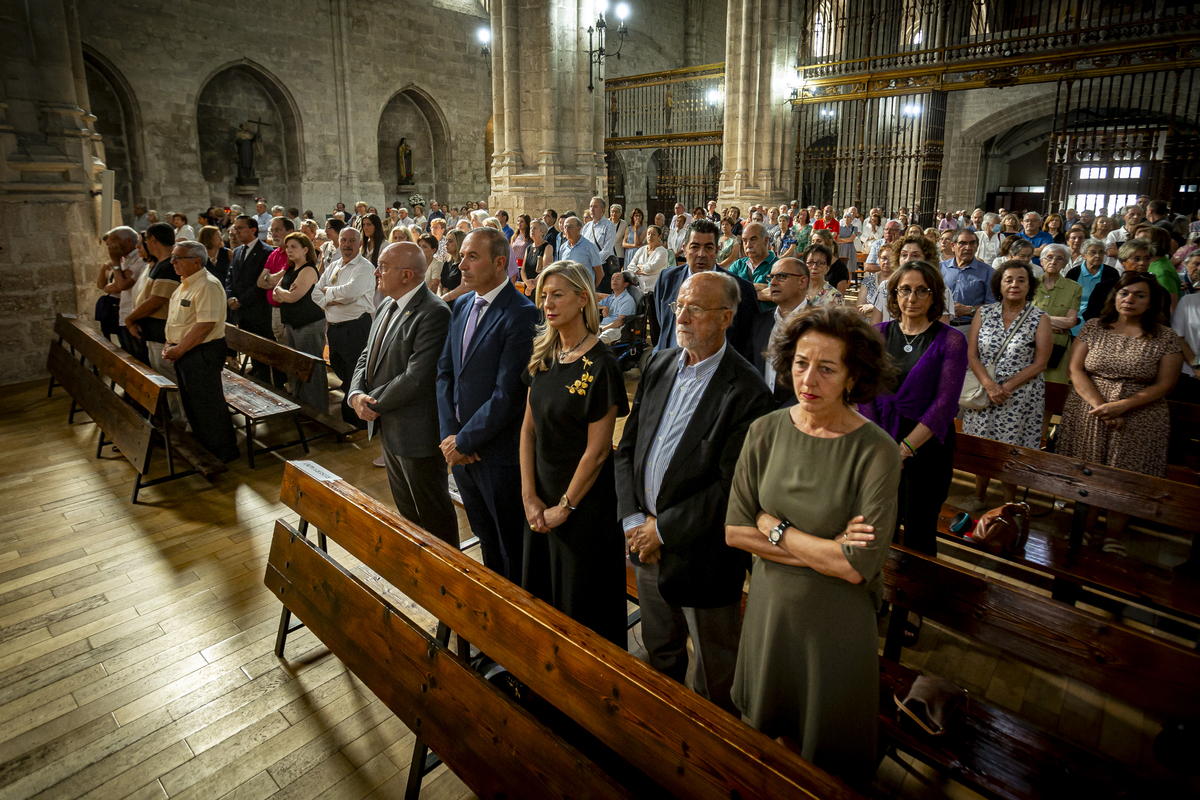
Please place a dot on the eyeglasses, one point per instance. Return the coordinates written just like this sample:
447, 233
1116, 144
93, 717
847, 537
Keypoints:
821, 264
783, 276
922, 292
694, 311
184, 258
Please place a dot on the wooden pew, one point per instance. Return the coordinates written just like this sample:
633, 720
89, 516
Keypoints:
995, 750
681, 744
1074, 569
133, 423
256, 402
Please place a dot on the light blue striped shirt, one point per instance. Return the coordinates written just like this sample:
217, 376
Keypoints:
690, 383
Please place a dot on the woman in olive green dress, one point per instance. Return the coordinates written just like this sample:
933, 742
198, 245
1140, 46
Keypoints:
1060, 298
814, 498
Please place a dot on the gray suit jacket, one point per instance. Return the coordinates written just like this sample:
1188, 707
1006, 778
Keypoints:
403, 381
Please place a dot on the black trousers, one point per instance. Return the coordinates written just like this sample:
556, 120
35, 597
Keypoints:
133, 345
260, 325
421, 492
347, 340
652, 317
491, 497
199, 376
924, 485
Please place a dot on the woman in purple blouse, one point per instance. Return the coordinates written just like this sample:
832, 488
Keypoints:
920, 415
932, 358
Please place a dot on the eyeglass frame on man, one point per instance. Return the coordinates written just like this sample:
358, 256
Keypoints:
693, 311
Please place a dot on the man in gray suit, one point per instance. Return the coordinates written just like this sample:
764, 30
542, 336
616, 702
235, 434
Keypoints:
394, 387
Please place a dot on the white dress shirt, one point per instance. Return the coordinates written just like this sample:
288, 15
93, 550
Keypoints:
780, 322
346, 291
603, 234
491, 299
264, 225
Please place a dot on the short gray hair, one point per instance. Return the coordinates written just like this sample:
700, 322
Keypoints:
124, 233
537, 223
194, 250
276, 208
355, 233
1092, 244
1061, 249
1033, 213
992, 217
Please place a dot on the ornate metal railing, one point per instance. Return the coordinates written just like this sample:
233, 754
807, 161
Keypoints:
660, 104
903, 45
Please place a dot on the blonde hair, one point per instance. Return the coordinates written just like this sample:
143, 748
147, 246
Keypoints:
545, 340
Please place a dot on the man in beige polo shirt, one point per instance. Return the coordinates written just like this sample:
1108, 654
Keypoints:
196, 345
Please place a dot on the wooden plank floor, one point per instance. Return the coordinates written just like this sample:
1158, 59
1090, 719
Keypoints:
136, 641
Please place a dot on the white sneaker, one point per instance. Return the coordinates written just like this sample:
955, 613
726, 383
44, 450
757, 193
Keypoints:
380, 462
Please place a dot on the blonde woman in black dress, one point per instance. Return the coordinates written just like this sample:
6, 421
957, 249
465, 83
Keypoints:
574, 555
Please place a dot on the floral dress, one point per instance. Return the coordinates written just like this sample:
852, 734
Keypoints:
1120, 366
1019, 420
826, 296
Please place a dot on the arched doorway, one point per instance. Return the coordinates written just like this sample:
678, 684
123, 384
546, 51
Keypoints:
412, 115
119, 122
245, 93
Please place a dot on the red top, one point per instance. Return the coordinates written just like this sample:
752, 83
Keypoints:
833, 225
276, 262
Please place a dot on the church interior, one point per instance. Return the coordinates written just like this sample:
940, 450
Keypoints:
153, 649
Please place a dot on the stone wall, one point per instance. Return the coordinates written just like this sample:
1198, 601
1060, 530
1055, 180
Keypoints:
402, 119
333, 75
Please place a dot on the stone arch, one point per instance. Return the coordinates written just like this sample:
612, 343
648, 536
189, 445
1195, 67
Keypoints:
412, 113
237, 92
119, 122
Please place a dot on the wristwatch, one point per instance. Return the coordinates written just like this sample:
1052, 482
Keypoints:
565, 502
776, 534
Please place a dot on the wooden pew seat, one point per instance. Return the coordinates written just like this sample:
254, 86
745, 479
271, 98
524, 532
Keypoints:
257, 403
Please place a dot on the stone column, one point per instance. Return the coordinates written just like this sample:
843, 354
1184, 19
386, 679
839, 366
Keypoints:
756, 159
548, 128
49, 242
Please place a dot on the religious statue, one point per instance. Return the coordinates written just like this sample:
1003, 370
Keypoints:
244, 139
667, 110
404, 162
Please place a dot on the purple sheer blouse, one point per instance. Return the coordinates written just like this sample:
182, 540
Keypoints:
930, 393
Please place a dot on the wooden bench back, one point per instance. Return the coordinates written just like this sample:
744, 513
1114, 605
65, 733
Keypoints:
270, 352
435, 694
142, 384
682, 742
1140, 669
130, 431
1165, 501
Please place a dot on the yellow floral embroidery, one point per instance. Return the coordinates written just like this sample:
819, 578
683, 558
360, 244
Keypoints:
581, 385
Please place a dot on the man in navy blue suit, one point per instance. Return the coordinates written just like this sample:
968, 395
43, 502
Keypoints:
700, 250
481, 398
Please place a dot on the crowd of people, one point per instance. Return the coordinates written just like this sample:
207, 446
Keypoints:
483, 349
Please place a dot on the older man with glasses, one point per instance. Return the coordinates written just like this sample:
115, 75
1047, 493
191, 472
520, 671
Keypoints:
756, 265
195, 334
968, 278
787, 286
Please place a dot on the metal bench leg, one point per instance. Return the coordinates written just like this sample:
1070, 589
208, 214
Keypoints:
100, 447
137, 486
71, 414
300, 430
250, 441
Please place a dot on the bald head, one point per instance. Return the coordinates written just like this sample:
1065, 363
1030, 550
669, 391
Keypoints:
401, 268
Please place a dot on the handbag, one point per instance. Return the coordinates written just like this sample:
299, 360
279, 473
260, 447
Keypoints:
973, 396
1056, 355
931, 702
999, 531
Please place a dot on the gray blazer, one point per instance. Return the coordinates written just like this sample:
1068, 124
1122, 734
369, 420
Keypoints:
403, 381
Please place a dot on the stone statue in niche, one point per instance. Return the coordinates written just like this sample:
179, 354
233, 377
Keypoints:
404, 166
244, 140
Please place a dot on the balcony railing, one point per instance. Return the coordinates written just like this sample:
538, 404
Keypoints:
966, 31
680, 101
